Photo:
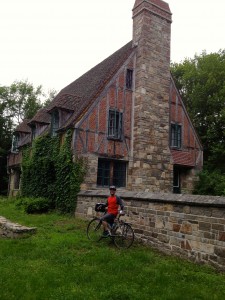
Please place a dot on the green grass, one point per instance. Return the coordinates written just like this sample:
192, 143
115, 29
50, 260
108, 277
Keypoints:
59, 262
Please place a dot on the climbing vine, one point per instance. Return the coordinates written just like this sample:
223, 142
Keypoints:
49, 170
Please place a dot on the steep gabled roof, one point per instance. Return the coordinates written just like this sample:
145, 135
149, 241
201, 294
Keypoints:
23, 127
41, 117
66, 101
80, 94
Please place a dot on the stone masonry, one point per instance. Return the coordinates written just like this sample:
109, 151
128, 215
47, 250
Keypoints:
9, 229
151, 169
189, 226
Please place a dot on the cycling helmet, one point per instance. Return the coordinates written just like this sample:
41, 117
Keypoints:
112, 187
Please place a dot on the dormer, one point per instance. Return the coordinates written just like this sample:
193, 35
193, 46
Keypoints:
61, 110
39, 124
21, 136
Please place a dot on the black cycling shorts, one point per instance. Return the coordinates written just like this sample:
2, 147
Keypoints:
109, 218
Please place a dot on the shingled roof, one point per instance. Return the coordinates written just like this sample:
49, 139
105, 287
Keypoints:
66, 101
80, 94
42, 116
23, 127
184, 158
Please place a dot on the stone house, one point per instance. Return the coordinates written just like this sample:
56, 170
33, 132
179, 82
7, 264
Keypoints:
126, 115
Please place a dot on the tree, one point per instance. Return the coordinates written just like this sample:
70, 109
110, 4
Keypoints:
19, 101
22, 100
201, 83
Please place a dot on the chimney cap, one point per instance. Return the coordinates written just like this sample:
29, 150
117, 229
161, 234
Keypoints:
163, 5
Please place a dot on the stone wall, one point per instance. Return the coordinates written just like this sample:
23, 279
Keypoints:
151, 167
9, 229
189, 226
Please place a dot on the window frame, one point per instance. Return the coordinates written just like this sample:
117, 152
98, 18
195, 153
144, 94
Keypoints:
175, 135
111, 172
15, 143
129, 79
54, 122
176, 180
33, 132
115, 124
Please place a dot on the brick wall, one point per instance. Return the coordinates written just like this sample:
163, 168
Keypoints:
188, 226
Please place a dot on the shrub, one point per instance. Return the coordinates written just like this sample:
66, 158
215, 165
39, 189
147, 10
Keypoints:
34, 205
211, 183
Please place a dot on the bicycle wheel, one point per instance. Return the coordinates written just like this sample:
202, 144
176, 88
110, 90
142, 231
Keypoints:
94, 230
124, 236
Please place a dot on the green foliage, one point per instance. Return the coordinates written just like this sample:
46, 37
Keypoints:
200, 82
34, 205
49, 171
18, 101
59, 262
211, 183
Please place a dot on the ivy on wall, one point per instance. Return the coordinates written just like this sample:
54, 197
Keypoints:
49, 170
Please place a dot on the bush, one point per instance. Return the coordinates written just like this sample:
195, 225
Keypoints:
211, 183
34, 205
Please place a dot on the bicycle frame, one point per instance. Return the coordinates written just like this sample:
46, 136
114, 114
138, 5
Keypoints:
121, 232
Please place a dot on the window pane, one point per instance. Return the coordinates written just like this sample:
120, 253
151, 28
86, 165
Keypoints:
175, 135
129, 79
115, 124
118, 171
15, 140
176, 180
103, 176
119, 174
55, 123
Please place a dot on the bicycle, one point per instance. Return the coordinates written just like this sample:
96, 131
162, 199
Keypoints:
121, 232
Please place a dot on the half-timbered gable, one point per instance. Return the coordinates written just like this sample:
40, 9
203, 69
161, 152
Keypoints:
105, 129
186, 148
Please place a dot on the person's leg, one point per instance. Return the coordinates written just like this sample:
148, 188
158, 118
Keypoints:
106, 220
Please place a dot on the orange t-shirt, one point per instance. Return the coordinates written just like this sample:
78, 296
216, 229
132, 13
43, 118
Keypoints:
112, 205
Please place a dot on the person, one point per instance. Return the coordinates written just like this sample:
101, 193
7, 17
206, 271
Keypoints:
114, 204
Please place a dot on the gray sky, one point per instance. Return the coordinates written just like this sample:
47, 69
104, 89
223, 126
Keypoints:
53, 42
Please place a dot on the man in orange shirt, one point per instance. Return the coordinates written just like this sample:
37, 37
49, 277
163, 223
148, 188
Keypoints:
113, 205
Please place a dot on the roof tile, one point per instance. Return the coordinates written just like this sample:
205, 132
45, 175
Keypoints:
184, 158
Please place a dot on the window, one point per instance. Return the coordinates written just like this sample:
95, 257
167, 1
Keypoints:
176, 180
115, 125
17, 179
111, 172
15, 140
54, 122
33, 132
129, 79
175, 136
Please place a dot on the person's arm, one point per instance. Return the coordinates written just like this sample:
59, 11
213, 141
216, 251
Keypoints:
120, 203
106, 203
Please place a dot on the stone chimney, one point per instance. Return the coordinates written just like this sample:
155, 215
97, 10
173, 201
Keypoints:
151, 168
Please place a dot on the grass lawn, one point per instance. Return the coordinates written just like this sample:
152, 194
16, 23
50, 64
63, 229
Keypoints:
59, 262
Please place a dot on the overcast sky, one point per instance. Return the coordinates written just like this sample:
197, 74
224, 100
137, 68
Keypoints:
53, 42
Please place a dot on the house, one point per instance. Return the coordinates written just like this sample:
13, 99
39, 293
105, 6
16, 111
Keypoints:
126, 115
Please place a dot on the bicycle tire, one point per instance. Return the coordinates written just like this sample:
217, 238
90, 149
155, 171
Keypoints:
124, 236
94, 230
